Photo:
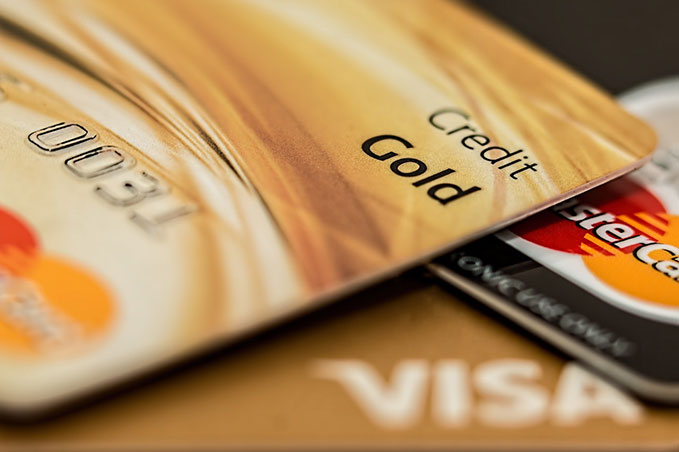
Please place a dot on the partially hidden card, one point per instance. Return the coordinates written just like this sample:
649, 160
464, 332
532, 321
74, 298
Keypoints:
174, 175
598, 275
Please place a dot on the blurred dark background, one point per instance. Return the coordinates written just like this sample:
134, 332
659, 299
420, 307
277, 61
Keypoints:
618, 44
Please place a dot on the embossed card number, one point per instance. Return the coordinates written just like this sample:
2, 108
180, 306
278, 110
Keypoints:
125, 187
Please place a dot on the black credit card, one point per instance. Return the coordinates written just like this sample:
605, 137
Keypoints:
598, 275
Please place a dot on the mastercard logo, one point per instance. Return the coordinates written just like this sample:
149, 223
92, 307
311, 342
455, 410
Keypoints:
623, 235
47, 304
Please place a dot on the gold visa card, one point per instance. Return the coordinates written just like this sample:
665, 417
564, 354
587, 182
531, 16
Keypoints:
176, 174
405, 365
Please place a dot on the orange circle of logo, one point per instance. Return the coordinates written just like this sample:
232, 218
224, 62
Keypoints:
628, 274
46, 303
624, 236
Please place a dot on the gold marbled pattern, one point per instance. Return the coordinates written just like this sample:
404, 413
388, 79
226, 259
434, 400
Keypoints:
257, 110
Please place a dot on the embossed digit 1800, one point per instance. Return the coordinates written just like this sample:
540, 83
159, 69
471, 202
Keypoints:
133, 189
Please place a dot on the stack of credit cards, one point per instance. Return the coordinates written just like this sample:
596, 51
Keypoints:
176, 177
597, 275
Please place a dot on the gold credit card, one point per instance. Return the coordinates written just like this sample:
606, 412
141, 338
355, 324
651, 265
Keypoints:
403, 366
176, 174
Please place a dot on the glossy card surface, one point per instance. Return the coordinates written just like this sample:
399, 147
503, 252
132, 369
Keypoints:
176, 174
